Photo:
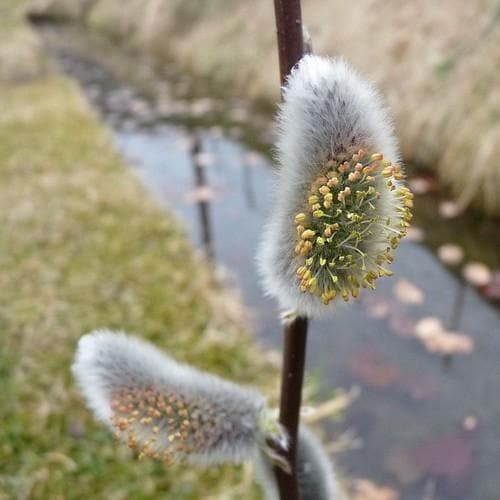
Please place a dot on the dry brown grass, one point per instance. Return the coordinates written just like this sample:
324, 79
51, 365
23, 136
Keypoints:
438, 65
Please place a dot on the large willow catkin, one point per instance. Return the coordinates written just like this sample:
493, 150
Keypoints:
340, 205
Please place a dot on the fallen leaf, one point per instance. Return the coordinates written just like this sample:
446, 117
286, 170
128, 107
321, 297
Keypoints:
437, 340
407, 293
401, 324
420, 185
445, 456
477, 273
492, 290
378, 309
363, 489
415, 233
400, 464
421, 387
373, 368
470, 423
449, 209
428, 326
450, 254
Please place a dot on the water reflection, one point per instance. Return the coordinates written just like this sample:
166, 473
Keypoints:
202, 196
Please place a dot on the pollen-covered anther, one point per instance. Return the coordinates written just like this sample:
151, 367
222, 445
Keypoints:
344, 194
162, 426
345, 237
307, 234
299, 218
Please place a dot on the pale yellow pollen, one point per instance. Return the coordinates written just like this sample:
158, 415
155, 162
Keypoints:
329, 269
308, 233
354, 176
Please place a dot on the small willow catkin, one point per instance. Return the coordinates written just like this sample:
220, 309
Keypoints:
340, 206
167, 410
315, 473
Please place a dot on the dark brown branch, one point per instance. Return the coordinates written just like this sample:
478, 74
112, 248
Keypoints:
290, 48
289, 29
292, 376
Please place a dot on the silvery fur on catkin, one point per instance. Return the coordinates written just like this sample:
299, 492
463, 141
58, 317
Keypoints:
315, 472
327, 108
107, 362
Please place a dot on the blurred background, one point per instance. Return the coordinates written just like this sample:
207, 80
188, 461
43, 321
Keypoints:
136, 169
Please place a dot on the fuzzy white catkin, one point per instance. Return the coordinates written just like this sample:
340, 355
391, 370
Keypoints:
222, 419
327, 108
315, 472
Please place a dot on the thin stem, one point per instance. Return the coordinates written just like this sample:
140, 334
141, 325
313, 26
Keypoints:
290, 48
292, 376
289, 30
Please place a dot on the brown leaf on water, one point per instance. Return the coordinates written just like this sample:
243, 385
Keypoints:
401, 324
492, 290
448, 457
421, 387
363, 489
449, 209
469, 423
378, 308
421, 185
450, 254
477, 274
416, 234
373, 368
407, 293
400, 464
437, 340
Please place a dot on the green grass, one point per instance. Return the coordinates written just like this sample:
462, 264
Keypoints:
83, 246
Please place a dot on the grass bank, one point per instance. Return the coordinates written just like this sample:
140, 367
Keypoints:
83, 246
436, 63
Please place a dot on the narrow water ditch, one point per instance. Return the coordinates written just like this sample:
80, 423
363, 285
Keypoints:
424, 424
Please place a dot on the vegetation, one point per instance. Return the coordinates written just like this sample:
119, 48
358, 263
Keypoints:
83, 246
434, 66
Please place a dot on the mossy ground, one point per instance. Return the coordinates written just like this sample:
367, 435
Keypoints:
83, 246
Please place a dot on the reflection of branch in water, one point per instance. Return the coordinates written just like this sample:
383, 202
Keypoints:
456, 314
458, 305
247, 184
203, 205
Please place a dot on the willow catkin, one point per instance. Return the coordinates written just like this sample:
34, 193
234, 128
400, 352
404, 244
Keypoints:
315, 473
168, 410
340, 206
